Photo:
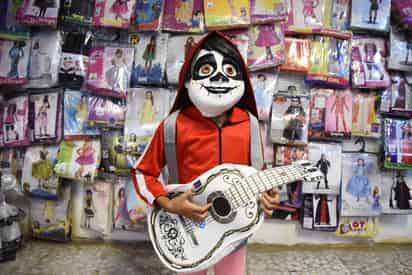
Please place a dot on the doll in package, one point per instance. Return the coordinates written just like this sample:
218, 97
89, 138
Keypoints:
77, 12
338, 114
296, 55
398, 143
14, 60
318, 99
150, 58
365, 118
320, 212
50, 217
286, 155
106, 112
264, 84
38, 178
78, 159
147, 15
15, 121
368, 63
397, 192
400, 51
113, 151
361, 185
76, 110
9, 27
39, 12
44, 114
370, 15
289, 119
266, 11
266, 47
113, 13
183, 16
109, 70
226, 14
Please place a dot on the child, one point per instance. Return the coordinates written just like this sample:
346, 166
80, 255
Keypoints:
122, 215
147, 113
15, 53
402, 194
41, 116
267, 38
260, 87
190, 42
408, 51
406, 146
9, 122
42, 169
376, 205
43, 5
370, 56
85, 156
120, 8
359, 185
309, 10
338, 107
373, 10
89, 209
183, 11
118, 75
149, 55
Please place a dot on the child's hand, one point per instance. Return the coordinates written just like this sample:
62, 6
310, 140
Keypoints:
269, 201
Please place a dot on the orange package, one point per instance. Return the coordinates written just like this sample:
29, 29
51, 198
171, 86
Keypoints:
297, 55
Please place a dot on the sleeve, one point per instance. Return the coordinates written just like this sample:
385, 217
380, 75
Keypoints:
148, 168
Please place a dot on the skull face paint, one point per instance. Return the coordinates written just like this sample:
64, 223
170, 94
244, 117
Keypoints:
216, 84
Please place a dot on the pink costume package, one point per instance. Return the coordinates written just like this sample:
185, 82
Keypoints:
14, 60
402, 12
266, 11
266, 48
307, 15
183, 16
15, 121
369, 63
39, 12
109, 70
264, 85
338, 116
147, 15
113, 13
400, 50
106, 112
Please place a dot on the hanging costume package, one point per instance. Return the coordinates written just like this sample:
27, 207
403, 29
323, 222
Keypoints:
317, 117
114, 151
320, 212
264, 84
286, 155
106, 112
112, 13
290, 202
9, 27
397, 99
401, 12
400, 51
39, 12
396, 193
239, 37
370, 15
266, 11
340, 15
398, 143
338, 116
147, 15
296, 55
366, 121
14, 61
15, 121
362, 145
357, 227
226, 14
183, 16
78, 12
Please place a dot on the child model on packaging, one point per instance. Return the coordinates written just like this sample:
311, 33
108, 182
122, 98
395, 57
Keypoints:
42, 169
373, 10
42, 118
118, 75
359, 185
149, 55
267, 38
309, 10
85, 156
82, 109
338, 107
9, 122
147, 113
406, 146
89, 209
15, 53
120, 9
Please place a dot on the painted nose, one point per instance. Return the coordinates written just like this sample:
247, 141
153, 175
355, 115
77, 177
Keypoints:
219, 77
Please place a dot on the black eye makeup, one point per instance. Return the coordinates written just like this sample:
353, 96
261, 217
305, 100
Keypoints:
205, 66
232, 68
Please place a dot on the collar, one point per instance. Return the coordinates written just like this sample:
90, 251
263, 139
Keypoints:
235, 115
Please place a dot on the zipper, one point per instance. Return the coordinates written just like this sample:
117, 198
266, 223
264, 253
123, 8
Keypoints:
220, 145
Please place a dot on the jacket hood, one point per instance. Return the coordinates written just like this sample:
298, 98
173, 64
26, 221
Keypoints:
247, 102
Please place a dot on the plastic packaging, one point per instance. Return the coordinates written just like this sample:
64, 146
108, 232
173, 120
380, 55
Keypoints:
114, 158
401, 12
38, 12
77, 12
398, 143
9, 27
318, 99
320, 212
340, 18
396, 195
113, 13
14, 61
296, 55
338, 116
147, 15
265, 11
400, 51
286, 155
183, 16
366, 121
226, 14
239, 37
397, 99
106, 112
264, 84
15, 121
370, 15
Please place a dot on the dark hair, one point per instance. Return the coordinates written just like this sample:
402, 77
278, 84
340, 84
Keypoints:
120, 191
261, 75
89, 192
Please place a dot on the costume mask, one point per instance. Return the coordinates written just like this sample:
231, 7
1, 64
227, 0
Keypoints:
216, 83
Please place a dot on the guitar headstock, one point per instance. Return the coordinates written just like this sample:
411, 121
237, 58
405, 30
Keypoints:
308, 171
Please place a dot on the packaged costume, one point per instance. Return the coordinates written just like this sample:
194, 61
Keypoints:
38, 178
109, 70
361, 185
77, 12
15, 121
12, 158
114, 151
368, 63
285, 80
227, 13
268, 150
106, 112
398, 143
290, 202
9, 27
38, 12
296, 55
266, 47
400, 9
239, 37
50, 218
397, 99
265, 11
147, 15
317, 117
329, 62
338, 116
14, 60
370, 15
365, 119
113, 13
183, 16
396, 193
362, 145
76, 111
78, 159
340, 15
150, 58
320, 212
357, 227
264, 84
400, 51
286, 155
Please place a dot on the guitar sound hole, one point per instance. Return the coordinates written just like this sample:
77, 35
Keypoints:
221, 206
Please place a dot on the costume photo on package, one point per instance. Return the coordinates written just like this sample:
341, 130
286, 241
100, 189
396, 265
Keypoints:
14, 61
183, 16
370, 15
15, 121
39, 12
264, 84
320, 212
398, 143
113, 13
396, 192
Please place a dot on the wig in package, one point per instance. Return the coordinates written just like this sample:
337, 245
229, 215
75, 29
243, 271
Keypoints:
182, 46
398, 143
147, 15
400, 51
286, 155
50, 218
340, 15
329, 62
396, 192
264, 85
361, 185
113, 13
296, 55
77, 12
97, 206
149, 59
338, 116
320, 212
9, 27
226, 14
14, 61
114, 159
289, 117
317, 115
357, 227
370, 15
266, 11
15, 121
106, 112
266, 48
76, 111
183, 16
39, 12
328, 159
44, 59
129, 210
369, 62
366, 120
38, 179
397, 99
78, 159
109, 70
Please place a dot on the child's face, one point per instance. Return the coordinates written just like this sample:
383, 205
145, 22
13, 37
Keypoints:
148, 96
119, 54
360, 162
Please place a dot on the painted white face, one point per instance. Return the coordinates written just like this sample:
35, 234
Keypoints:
216, 84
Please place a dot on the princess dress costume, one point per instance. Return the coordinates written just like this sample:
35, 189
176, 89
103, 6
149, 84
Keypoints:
359, 186
42, 170
119, 7
147, 115
82, 111
86, 156
122, 216
267, 37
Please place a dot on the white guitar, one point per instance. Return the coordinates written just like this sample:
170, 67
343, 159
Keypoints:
233, 190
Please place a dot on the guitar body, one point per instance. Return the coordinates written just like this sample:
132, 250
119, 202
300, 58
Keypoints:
184, 246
